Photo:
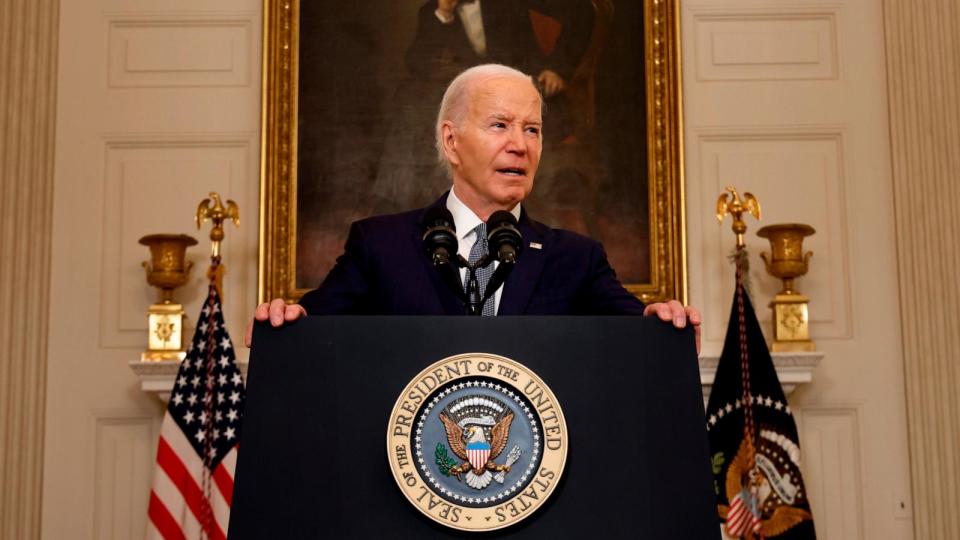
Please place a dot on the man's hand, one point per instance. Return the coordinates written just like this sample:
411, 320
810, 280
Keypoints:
278, 312
677, 313
551, 82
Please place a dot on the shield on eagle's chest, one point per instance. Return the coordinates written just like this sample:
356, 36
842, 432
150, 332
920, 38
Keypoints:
478, 453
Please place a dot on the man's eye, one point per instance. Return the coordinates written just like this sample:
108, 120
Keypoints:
533, 130
498, 125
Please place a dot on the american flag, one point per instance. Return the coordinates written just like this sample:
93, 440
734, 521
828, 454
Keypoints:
197, 452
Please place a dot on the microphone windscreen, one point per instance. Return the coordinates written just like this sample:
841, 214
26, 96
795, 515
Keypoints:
440, 236
503, 236
439, 216
500, 217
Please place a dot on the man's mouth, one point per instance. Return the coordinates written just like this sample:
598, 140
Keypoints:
513, 171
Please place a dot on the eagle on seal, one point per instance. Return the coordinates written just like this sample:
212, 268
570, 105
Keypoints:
470, 443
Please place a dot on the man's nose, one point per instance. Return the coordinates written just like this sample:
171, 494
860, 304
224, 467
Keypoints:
515, 142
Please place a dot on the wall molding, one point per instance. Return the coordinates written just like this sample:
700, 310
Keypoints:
124, 459
180, 50
837, 323
28, 62
923, 84
820, 23
831, 450
234, 151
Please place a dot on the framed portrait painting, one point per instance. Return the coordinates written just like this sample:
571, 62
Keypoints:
351, 92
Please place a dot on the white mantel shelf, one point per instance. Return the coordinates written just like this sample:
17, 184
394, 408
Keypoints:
793, 369
158, 377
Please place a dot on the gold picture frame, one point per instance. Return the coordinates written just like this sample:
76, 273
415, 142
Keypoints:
277, 275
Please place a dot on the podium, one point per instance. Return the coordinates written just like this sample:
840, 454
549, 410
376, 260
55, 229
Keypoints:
320, 393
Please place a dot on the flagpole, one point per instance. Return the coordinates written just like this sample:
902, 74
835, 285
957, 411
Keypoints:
731, 203
749, 426
213, 210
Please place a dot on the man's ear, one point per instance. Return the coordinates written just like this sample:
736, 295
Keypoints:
448, 138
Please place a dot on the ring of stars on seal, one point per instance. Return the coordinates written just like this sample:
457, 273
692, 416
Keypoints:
477, 442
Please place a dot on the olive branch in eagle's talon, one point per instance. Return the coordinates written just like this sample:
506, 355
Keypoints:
444, 462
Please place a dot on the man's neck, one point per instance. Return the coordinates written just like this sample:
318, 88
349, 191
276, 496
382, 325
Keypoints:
470, 212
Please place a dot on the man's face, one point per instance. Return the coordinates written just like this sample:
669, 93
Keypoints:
496, 149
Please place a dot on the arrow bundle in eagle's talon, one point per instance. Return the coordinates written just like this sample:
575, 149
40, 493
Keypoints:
512, 458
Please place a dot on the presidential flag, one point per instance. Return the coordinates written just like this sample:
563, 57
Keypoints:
197, 452
754, 446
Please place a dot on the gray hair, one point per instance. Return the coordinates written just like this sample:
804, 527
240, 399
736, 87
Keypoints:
453, 107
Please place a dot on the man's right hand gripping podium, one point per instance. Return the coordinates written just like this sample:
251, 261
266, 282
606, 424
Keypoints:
570, 425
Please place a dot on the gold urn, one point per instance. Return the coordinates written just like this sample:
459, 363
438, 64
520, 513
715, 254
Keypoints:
167, 270
788, 261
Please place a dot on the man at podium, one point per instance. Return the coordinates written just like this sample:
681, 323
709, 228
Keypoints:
489, 137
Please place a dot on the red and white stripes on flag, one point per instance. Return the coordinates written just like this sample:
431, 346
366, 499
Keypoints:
178, 504
197, 451
478, 455
742, 516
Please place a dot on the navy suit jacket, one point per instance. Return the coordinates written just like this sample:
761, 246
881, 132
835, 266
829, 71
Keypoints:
385, 270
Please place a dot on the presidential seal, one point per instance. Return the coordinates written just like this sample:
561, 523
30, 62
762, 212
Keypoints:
477, 442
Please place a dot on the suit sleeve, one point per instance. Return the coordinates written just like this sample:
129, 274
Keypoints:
347, 289
602, 293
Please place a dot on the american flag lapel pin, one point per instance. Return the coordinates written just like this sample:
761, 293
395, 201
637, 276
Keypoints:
536, 245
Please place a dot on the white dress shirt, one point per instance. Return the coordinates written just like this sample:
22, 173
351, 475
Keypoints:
465, 221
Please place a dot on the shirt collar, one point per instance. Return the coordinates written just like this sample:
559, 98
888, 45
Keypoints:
463, 217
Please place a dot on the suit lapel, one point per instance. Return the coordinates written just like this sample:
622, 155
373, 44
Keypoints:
523, 280
446, 301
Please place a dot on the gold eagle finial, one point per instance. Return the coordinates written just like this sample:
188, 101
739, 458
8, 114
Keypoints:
731, 203
217, 213
214, 210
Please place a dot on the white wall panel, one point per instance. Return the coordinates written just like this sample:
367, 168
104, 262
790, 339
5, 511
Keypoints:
831, 469
125, 450
160, 51
799, 177
766, 46
153, 186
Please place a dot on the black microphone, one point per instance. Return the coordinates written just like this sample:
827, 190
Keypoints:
440, 237
503, 237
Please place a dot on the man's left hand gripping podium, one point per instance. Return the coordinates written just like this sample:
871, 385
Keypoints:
427, 427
